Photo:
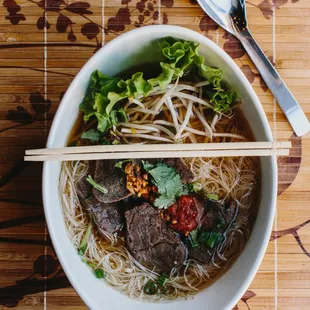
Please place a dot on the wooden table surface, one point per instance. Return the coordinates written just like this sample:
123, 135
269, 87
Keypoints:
44, 43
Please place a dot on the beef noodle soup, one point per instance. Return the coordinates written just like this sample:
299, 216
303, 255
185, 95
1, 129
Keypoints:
164, 228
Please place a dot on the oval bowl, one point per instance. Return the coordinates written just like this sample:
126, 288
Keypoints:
129, 49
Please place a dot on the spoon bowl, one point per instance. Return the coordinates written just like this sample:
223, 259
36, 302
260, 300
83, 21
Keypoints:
231, 15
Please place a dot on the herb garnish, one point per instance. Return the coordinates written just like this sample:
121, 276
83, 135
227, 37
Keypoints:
96, 185
99, 273
213, 197
210, 238
193, 238
147, 166
162, 280
168, 183
152, 287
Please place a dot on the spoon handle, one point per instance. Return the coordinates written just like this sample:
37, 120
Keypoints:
286, 100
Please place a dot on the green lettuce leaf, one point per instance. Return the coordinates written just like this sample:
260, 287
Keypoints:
105, 94
221, 100
181, 56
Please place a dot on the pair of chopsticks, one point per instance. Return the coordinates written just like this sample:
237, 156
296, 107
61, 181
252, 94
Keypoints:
231, 149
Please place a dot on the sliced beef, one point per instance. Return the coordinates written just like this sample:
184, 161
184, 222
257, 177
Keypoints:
164, 256
201, 204
107, 216
215, 217
111, 178
200, 253
150, 241
228, 211
178, 164
84, 189
215, 213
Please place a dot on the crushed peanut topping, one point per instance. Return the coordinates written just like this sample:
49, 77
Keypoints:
137, 182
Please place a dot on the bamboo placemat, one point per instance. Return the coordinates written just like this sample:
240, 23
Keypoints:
44, 43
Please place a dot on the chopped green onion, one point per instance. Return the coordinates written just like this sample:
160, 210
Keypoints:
92, 265
197, 187
162, 280
213, 197
221, 223
98, 187
204, 236
213, 239
99, 273
150, 288
193, 238
210, 238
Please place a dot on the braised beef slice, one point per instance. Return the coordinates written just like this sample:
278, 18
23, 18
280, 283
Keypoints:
150, 241
200, 203
215, 213
200, 253
228, 211
84, 189
107, 216
112, 179
178, 164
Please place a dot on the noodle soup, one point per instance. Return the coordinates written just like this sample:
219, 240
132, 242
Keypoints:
153, 237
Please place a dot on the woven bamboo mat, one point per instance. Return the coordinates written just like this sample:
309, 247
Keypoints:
44, 43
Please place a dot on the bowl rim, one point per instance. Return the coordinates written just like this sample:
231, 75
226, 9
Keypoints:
222, 54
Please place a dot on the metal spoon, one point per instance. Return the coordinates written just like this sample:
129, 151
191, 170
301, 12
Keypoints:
231, 15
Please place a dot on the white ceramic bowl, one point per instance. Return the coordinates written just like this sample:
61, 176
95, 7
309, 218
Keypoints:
132, 48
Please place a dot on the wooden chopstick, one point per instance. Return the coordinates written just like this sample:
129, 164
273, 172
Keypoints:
161, 151
161, 147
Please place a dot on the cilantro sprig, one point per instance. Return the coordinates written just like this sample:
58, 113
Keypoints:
168, 183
